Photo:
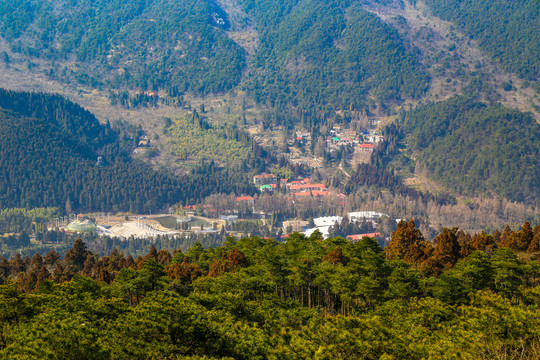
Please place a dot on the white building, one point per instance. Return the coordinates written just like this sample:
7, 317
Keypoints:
368, 215
327, 221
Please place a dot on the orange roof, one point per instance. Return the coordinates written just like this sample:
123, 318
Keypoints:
369, 146
307, 186
244, 198
313, 192
360, 236
306, 180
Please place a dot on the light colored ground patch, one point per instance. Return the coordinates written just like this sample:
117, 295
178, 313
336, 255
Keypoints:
138, 230
242, 31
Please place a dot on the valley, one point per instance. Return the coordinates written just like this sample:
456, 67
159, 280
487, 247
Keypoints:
270, 179
453, 62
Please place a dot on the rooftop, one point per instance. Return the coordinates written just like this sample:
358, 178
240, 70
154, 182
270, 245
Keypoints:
360, 236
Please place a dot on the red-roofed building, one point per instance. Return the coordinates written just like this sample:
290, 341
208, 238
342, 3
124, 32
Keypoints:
360, 236
315, 193
365, 147
264, 179
245, 198
307, 187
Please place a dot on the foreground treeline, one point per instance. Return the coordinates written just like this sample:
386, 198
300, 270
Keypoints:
458, 297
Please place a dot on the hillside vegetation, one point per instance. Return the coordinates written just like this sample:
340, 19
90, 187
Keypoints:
475, 149
157, 44
194, 139
48, 155
311, 52
329, 53
507, 30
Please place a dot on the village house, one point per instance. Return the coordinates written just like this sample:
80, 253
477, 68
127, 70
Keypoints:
264, 179
306, 187
373, 138
365, 148
361, 236
267, 187
246, 199
314, 193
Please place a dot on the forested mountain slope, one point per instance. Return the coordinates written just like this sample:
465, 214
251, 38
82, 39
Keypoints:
475, 149
313, 61
48, 153
311, 52
178, 46
329, 53
507, 30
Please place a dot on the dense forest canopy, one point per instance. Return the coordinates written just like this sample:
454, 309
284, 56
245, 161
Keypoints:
257, 298
311, 52
476, 148
329, 53
174, 45
507, 30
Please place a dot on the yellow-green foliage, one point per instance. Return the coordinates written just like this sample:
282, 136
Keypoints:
192, 140
282, 172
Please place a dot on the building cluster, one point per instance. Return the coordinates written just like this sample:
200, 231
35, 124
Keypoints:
306, 188
362, 142
323, 224
297, 188
303, 138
